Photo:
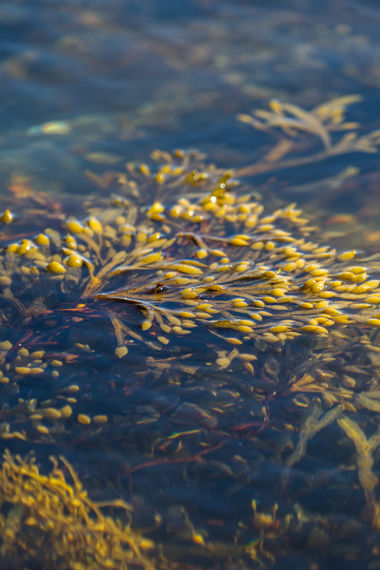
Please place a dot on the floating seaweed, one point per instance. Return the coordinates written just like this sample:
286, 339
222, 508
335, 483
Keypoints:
322, 122
218, 261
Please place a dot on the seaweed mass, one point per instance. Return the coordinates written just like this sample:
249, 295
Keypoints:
186, 274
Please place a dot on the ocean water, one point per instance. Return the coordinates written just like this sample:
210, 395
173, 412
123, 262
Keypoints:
228, 462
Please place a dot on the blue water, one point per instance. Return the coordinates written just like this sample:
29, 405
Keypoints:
123, 78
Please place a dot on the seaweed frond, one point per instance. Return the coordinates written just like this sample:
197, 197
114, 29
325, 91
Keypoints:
289, 122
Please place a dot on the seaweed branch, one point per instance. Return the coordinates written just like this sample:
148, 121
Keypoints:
289, 122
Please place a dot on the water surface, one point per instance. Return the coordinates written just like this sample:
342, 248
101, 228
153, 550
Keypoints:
225, 467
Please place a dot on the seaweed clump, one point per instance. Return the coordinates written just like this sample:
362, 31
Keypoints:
202, 264
49, 520
211, 259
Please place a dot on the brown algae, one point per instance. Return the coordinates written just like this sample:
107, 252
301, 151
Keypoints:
216, 261
50, 520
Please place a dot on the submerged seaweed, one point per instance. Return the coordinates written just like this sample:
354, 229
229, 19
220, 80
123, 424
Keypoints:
50, 520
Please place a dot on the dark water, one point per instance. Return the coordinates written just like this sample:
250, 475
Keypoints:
206, 455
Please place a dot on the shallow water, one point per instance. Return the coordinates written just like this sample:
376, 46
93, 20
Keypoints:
225, 466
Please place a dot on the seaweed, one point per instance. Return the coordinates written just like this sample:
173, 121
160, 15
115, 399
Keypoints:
323, 121
49, 520
179, 319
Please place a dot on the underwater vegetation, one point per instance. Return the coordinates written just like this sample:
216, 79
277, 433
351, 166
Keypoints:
40, 511
254, 327
326, 123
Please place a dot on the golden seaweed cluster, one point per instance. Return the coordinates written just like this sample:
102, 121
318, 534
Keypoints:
215, 260
50, 520
209, 263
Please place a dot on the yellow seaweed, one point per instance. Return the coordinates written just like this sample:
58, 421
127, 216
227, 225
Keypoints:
55, 523
364, 456
312, 424
323, 121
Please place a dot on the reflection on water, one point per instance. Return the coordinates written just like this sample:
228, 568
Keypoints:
183, 341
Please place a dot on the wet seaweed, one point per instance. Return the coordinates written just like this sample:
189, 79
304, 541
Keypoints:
49, 520
323, 122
